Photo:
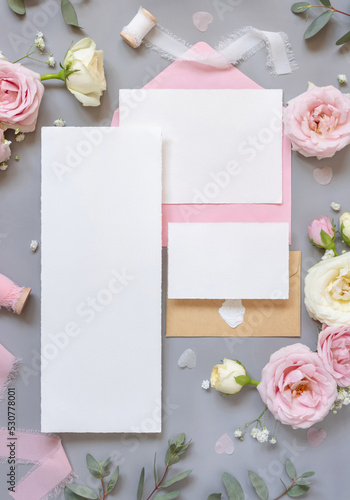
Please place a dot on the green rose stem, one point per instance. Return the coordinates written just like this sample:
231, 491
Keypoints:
61, 75
326, 7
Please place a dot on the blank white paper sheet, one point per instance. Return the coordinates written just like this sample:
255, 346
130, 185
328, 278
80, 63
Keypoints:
219, 146
228, 261
101, 280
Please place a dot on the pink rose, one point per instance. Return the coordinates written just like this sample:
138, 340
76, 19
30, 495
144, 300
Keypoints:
296, 387
5, 151
21, 92
334, 350
321, 233
318, 122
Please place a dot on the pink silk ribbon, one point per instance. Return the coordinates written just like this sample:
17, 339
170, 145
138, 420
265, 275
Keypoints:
51, 469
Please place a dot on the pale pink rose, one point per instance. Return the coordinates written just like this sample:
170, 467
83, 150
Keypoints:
315, 228
5, 151
21, 92
318, 122
334, 350
296, 387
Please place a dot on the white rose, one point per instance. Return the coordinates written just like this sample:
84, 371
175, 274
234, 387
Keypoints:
327, 291
88, 82
223, 376
345, 227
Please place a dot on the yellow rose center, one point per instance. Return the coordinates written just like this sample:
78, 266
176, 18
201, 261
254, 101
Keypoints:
340, 287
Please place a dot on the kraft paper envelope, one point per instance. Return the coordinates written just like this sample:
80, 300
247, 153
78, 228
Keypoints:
263, 318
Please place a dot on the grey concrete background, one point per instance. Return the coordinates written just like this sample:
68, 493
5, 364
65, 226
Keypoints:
203, 416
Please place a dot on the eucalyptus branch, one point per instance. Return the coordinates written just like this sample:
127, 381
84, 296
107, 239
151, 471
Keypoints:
320, 22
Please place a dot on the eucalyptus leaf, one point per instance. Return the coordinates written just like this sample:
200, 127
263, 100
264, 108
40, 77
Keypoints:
297, 491
141, 483
319, 23
215, 496
326, 3
290, 469
233, 488
155, 469
113, 481
83, 491
303, 482
175, 459
169, 496
344, 39
106, 473
106, 463
259, 485
176, 479
300, 7
308, 474
180, 439
17, 6
69, 495
69, 14
93, 465
171, 440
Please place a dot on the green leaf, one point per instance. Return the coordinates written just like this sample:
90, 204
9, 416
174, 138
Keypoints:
17, 6
83, 491
300, 7
169, 496
233, 488
290, 469
319, 23
308, 474
169, 453
69, 14
171, 440
243, 379
326, 3
303, 482
297, 491
113, 481
259, 485
69, 495
344, 39
174, 460
106, 463
326, 239
93, 466
180, 439
175, 479
215, 496
155, 469
141, 483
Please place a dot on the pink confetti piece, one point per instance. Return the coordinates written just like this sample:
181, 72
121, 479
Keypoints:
323, 175
201, 20
316, 436
224, 445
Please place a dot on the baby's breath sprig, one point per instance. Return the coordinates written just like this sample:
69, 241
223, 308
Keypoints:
259, 432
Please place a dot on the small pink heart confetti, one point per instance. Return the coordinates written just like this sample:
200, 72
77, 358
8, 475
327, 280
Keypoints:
323, 175
201, 20
316, 436
224, 445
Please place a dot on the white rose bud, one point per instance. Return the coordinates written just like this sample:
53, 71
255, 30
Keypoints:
88, 82
345, 227
223, 376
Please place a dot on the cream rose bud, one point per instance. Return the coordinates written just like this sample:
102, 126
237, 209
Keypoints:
345, 227
223, 376
88, 81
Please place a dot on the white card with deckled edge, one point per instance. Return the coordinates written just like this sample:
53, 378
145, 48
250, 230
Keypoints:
228, 260
219, 146
101, 280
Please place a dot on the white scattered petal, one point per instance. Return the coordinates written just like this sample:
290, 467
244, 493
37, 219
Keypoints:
342, 79
20, 137
2, 57
205, 384
51, 62
59, 122
335, 206
34, 245
328, 255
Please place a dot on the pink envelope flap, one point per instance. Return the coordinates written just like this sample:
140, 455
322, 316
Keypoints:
192, 75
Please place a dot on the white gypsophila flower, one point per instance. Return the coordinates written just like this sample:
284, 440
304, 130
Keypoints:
342, 79
328, 255
3, 166
238, 433
335, 206
263, 435
39, 41
59, 122
2, 57
205, 383
20, 137
273, 440
34, 245
255, 432
51, 61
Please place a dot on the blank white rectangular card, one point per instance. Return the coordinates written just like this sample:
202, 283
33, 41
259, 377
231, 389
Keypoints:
229, 260
219, 146
101, 280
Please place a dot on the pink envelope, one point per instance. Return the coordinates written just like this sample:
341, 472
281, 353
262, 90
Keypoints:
191, 75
